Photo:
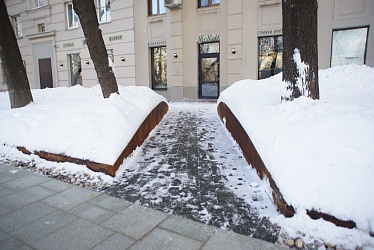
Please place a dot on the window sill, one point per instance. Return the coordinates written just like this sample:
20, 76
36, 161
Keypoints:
73, 28
161, 89
104, 22
156, 18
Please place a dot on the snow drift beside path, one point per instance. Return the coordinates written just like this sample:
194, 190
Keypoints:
77, 121
320, 153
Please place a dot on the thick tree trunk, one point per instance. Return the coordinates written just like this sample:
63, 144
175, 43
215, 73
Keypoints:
14, 70
86, 11
300, 49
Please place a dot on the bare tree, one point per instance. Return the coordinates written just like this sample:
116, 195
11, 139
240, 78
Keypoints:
86, 11
14, 70
300, 49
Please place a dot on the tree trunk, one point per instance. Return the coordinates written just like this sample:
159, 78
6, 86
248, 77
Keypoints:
300, 49
86, 11
14, 70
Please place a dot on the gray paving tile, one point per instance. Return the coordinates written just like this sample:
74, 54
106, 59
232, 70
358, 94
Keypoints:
135, 221
80, 234
4, 209
5, 167
12, 243
4, 191
115, 242
110, 203
12, 174
163, 239
25, 182
43, 226
26, 197
70, 198
3, 236
229, 240
56, 185
91, 212
14, 220
189, 228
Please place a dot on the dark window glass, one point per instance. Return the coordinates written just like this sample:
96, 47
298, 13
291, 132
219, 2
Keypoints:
156, 7
159, 67
349, 46
207, 3
270, 56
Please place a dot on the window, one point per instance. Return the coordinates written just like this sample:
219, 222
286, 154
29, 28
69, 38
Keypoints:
270, 54
17, 26
208, 3
349, 46
104, 11
159, 67
2, 78
111, 58
39, 3
41, 27
72, 17
75, 67
156, 7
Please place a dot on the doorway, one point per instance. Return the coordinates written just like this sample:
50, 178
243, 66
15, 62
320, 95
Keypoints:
45, 73
45, 66
209, 70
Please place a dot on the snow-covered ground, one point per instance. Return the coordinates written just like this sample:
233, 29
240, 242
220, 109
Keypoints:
77, 121
319, 152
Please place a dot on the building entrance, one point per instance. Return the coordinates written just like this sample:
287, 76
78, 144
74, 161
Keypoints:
209, 70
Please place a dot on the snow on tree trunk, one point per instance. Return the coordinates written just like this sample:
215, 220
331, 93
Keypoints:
300, 49
86, 11
14, 70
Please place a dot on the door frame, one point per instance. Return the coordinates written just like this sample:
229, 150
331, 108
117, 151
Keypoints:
208, 55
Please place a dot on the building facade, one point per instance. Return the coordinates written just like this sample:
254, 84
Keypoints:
182, 49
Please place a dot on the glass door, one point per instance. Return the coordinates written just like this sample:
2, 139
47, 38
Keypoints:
209, 70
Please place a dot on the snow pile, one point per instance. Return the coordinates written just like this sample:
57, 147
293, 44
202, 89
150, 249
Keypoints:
320, 153
76, 121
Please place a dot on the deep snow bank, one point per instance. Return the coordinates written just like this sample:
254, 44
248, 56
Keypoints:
320, 153
77, 121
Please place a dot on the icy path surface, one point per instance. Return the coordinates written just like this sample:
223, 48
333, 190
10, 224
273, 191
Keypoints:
190, 166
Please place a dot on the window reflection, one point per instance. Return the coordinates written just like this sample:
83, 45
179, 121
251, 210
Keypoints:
349, 46
104, 10
75, 69
209, 48
206, 3
72, 17
159, 67
270, 56
156, 7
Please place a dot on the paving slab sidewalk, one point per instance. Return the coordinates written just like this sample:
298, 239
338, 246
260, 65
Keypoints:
37, 212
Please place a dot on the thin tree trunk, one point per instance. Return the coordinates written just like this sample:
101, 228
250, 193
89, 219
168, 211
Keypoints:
14, 70
300, 49
86, 11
